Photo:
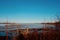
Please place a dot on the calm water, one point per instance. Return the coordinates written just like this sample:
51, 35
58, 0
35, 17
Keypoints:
23, 26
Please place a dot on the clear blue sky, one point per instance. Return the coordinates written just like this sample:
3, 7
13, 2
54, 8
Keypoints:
29, 10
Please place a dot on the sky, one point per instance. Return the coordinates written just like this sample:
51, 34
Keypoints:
29, 11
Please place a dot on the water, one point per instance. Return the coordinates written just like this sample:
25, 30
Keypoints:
22, 26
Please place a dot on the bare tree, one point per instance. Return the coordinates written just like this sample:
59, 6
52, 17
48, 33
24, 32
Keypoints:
58, 18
